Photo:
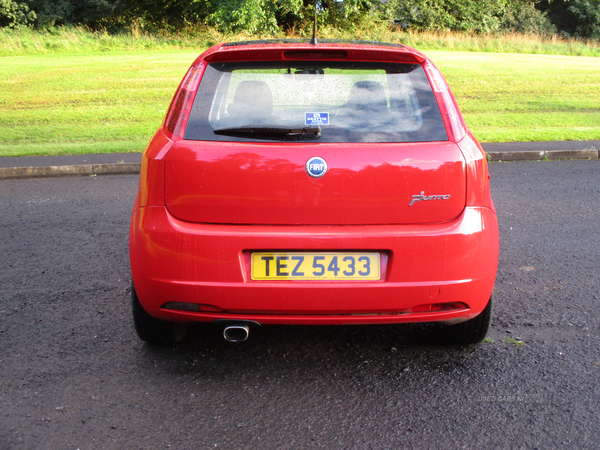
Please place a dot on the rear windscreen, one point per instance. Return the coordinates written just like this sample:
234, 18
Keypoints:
315, 102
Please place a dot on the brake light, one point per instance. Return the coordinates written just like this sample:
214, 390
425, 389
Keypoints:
324, 54
448, 107
182, 103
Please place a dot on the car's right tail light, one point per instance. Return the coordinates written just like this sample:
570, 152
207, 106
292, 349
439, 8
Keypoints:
451, 115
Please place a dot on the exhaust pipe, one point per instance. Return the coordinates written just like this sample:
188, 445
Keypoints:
236, 333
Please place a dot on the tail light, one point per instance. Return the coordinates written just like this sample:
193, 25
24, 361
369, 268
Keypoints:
478, 186
182, 103
448, 107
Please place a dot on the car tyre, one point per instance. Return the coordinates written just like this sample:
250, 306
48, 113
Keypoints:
471, 331
153, 330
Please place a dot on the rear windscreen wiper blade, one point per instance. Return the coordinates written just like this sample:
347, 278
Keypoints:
293, 134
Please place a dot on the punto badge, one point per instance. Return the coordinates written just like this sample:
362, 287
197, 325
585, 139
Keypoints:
316, 167
422, 196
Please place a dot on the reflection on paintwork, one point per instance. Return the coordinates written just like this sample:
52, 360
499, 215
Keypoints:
209, 183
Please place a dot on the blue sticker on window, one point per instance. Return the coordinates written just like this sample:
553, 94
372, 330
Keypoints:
316, 118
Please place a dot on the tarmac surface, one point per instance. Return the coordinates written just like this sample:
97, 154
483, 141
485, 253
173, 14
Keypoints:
129, 163
74, 375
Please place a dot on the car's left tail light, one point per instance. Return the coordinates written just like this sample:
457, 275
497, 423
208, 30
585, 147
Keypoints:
182, 103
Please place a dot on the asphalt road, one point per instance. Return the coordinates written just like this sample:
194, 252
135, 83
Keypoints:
73, 374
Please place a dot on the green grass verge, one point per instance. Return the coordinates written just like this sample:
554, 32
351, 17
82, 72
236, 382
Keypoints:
71, 40
113, 102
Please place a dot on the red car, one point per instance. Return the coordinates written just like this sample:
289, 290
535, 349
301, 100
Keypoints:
294, 183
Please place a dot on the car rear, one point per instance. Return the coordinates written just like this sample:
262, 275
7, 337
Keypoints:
302, 184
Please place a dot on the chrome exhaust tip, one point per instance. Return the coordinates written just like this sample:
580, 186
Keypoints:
236, 333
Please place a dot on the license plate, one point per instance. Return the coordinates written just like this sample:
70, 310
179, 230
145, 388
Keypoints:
315, 266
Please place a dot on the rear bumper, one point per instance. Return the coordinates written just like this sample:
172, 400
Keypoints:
175, 261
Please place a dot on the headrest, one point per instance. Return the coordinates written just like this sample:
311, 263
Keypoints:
369, 95
252, 97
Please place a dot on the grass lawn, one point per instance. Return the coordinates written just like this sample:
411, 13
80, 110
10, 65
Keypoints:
516, 97
114, 101
85, 103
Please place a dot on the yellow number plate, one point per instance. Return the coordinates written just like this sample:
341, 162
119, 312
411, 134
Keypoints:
315, 266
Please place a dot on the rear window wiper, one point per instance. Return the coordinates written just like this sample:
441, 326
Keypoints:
277, 133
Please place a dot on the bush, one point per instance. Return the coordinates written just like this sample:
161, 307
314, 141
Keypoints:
93, 13
479, 16
586, 14
270, 16
252, 16
13, 14
578, 18
529, 20
449, 15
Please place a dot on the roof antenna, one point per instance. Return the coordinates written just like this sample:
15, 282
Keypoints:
313, 41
